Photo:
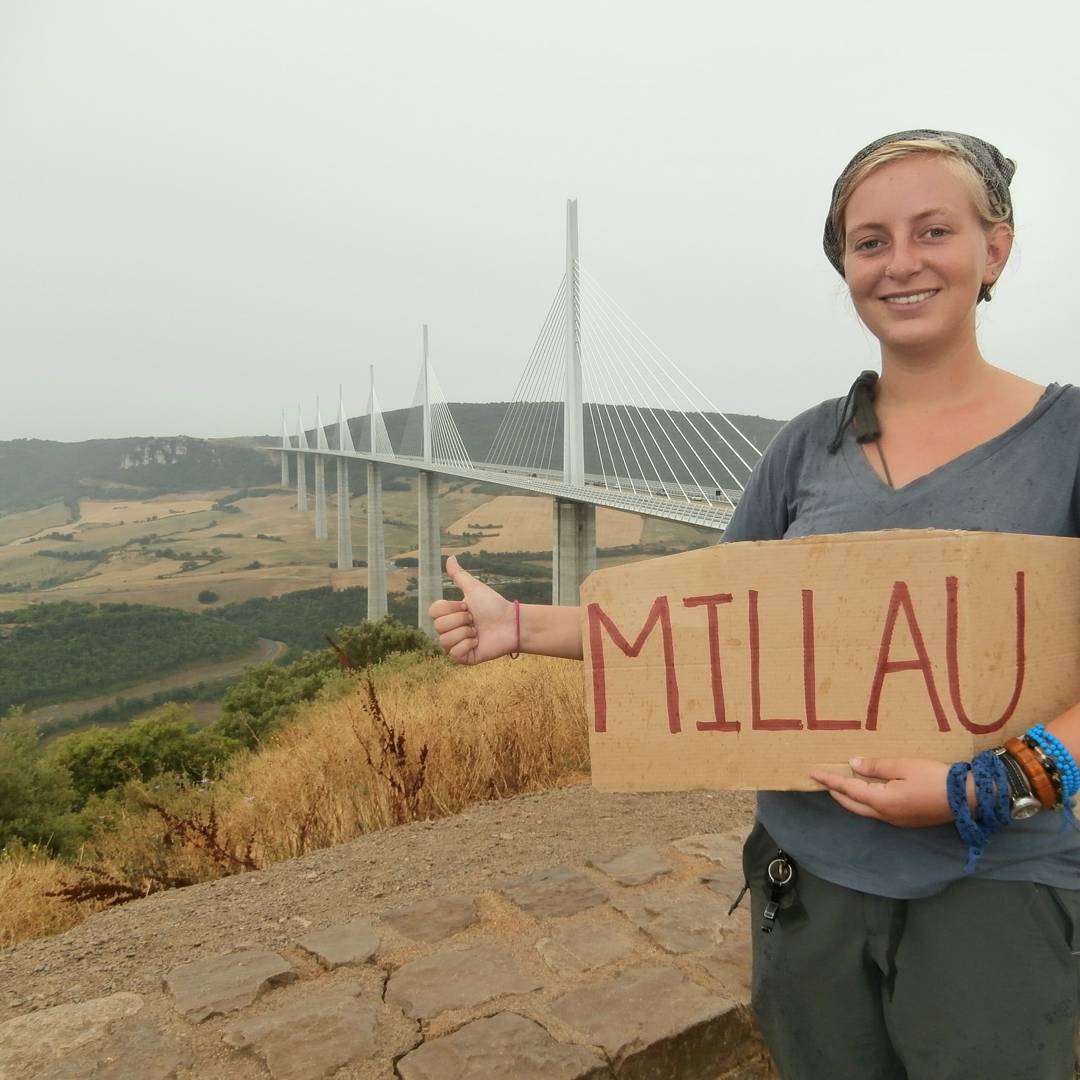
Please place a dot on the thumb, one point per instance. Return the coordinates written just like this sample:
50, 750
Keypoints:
876, 768
459, 575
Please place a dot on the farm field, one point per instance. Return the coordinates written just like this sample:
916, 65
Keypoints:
169, 549
523, 523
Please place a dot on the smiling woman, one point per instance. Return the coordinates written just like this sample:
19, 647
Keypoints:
913, 889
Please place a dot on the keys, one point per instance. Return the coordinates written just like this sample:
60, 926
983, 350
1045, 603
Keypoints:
780, 878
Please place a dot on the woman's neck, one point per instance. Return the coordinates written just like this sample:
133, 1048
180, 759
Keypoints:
955, 374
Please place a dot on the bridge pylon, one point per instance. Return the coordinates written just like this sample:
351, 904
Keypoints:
301, 463
286, 447
429, 575
376, 537
344, 518
573, 544
321, 531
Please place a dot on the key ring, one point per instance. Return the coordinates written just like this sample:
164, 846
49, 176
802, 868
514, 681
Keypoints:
780, 872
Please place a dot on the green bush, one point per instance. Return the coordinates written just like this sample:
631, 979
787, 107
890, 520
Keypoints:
166, 741
207, 596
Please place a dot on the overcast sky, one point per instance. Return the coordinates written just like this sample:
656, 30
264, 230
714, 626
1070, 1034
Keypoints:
214, 209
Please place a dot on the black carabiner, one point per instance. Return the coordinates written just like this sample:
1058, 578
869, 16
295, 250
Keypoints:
780, 877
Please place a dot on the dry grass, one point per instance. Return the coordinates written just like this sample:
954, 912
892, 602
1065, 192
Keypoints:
489, 732
419, 740
26, 908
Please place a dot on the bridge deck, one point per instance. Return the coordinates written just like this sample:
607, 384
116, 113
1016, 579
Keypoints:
667, 507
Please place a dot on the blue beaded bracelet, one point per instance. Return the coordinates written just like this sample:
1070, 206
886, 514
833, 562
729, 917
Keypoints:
1065, 763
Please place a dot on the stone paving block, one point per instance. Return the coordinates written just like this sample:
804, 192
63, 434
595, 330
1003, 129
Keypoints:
557, 891
678, 920
456, 980
581, 947
730, 964
638, 866
314, 1035
433, 920
719, 847
655, 1023
101, 1039
349, 943
727, 881
502, 1047
221, 984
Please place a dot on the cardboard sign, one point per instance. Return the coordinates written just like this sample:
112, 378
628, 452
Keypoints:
746, 665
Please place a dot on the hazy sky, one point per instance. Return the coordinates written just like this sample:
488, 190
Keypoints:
213, 209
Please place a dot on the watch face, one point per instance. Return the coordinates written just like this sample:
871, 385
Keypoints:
1024, 808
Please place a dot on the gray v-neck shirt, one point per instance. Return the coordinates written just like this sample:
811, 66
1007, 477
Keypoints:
1025, 480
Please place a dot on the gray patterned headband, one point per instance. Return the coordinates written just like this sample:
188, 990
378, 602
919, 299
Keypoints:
995, 169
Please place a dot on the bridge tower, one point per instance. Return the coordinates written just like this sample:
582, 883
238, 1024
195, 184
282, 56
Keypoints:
429, 577
321, 532
301, 463
376, 537
344, 518
573, 546
286, 446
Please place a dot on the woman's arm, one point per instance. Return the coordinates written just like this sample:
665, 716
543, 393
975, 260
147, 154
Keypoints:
484, 625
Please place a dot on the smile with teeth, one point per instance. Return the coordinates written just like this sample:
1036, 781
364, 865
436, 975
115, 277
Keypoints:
910, 298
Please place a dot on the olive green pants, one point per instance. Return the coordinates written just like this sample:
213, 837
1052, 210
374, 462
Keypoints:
981, 982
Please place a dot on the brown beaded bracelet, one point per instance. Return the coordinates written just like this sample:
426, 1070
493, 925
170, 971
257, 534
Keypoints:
1037, 776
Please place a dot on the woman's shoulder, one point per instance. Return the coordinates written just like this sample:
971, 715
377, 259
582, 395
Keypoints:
812, 427
1066, 394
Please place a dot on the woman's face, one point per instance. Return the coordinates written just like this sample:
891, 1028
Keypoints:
916, 254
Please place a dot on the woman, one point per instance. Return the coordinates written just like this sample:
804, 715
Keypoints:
914, 943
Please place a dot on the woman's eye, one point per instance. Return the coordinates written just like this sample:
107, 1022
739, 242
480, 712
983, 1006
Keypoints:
868, 245
936, 232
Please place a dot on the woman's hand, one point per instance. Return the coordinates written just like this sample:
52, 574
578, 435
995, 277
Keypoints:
479, 627
908, 792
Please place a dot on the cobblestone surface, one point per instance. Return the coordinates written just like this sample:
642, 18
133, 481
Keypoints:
222, 984
560, 890
336, 946
500, 1048
627, 969
638, 866
314, 1035
433, 920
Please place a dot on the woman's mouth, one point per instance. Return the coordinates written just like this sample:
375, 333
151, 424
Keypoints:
910, 298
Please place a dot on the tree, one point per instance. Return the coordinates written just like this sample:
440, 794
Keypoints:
208, 596
36, 794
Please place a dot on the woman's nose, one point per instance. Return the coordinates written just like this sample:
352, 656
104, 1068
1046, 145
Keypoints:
903, 261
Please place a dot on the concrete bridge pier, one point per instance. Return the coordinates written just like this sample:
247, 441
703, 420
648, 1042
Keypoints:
573, 549
344, 518
321, 532
376, 544
301, 483
429, 578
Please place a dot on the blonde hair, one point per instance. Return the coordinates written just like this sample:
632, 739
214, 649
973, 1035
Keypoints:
989, 211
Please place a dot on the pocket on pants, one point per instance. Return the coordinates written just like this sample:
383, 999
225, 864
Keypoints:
1067, 902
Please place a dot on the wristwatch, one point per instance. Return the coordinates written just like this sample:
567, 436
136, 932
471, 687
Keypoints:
1022, 801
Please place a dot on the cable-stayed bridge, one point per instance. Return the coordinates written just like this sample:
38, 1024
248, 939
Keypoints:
600, 417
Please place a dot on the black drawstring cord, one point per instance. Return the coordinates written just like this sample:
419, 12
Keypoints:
858, 411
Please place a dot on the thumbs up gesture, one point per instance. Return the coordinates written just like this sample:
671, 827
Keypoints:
480, 626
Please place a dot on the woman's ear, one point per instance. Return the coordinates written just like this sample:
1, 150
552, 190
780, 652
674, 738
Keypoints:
999, 241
